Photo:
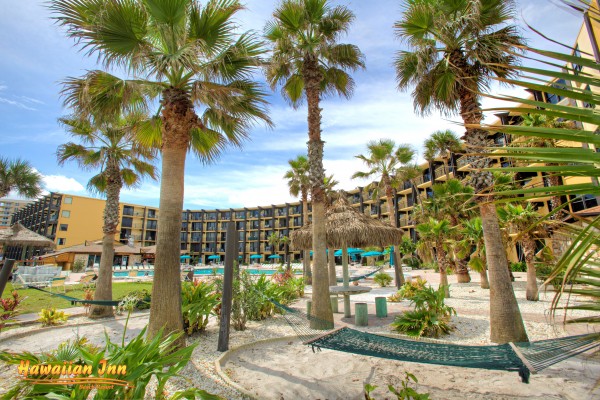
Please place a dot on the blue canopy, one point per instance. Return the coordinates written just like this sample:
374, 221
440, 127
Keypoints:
214, 257
326, 251
371, 254
274, 256
185, 257
255, 256
351, 251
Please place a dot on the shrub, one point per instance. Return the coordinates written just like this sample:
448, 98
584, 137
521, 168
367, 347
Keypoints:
406, 393
408, 290
198, 301
518, 266
145, 358
88, 294
382, 279
78, 266
49, 316
430, 317
9, 308
141, 299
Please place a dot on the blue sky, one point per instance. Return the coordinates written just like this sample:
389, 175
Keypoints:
36, 56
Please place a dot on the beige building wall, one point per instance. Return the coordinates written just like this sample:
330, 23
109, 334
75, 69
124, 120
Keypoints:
79, 219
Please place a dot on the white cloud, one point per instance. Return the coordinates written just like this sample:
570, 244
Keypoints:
63, 184
16, 104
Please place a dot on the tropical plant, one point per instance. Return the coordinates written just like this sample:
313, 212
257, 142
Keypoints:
145, 357
299, 185
408, 290
273, 241
143, 298
383, 161
78, 266
110, 148
406, 393
519, 220
431, 316
436, 232
190, 58
285, 241
472, 245
19, 176
382, 279
198, 301
309, 63
50, 316
455, 49
88, 294
9, 308
443, 144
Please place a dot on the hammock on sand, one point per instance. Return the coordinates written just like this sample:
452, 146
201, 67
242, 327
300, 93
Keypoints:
526, 357
359, 277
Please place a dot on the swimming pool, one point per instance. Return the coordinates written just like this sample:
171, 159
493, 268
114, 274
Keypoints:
199, 271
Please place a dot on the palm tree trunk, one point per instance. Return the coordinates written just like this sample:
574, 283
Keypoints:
111, 221
446, 169
321, 306
531, 293
306, 269
331, 263
165, 309
506, 322
443, 268
389, 194
485, 283
462, 272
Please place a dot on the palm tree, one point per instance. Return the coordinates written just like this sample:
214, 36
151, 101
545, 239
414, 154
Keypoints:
332, 195
299, 184
473, 246
452, 200
519, 221
189, 58
284, 240
444, 144
436, 232
273, 241
383, 162
455, 49
109, 148
309, 63
19, 176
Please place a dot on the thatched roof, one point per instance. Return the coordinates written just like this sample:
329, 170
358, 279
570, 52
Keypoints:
94, 248
18, 235
348, 227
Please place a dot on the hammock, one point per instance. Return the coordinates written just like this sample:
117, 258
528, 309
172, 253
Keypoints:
74, 300
526, 357
359, 277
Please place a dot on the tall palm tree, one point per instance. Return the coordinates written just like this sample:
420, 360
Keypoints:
110, 148
19, 176
273, 241
455, 49
284, 240
519, 221
309, 63
190, 58
299, 185
331, 196
436, 232
444, 144
473, 245
383, 162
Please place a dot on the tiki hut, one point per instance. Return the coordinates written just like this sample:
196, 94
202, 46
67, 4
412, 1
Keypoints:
18, 235
347, 227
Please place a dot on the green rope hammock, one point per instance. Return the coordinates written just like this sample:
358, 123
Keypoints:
359, 277
74, 300
526, 358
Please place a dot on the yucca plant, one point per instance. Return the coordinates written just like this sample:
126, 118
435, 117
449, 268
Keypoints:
580, 262
198, 302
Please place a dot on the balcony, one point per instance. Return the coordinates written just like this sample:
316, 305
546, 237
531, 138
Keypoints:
463, 164
440, 173
405, 221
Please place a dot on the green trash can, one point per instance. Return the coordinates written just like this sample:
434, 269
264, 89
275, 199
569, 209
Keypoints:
381, 307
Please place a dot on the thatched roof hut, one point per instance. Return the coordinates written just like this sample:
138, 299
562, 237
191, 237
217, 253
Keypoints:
348, 227
18, 235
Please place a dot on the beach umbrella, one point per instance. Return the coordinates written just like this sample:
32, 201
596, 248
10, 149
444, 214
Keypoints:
185, 257
346, 227
214, 257
371, 254
274, 256
255, 256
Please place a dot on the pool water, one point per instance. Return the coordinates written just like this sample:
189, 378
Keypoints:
198, 271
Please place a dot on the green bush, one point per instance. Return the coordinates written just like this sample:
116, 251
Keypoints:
49, 317
78, 266
408, 290
520, 266
198, 302
382, 279
141, 299
431, 316
405, 393
144, 357
412, 261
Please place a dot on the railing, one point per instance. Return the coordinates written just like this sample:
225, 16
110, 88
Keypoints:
462, 162
405, 220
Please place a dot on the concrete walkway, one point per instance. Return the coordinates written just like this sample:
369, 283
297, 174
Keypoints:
32, 317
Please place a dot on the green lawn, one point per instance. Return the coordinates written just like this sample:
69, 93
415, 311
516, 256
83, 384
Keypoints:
37, 300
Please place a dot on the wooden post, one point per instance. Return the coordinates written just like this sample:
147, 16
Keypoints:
231, 253
334, 304
5, 273
381, 307
362, 314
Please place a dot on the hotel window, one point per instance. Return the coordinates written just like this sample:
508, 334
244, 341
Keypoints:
66, 213
68, 200
64, 227
62, 241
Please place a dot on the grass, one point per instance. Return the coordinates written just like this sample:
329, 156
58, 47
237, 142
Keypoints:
37, 300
